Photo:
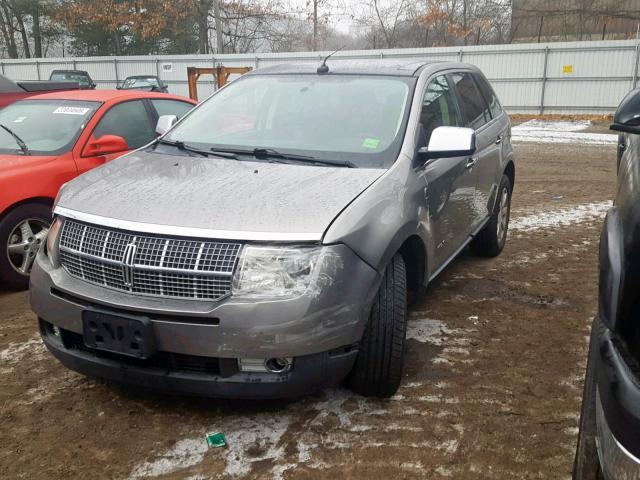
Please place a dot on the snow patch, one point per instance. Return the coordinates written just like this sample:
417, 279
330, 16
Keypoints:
553, 126
426, 330
259, 433
185, 453
541, 131
16, 352
560, 218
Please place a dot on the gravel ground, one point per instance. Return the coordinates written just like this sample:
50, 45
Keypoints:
496, 356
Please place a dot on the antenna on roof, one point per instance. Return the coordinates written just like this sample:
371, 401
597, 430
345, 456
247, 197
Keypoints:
323, 68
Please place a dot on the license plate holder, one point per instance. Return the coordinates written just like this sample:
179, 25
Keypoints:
131, 336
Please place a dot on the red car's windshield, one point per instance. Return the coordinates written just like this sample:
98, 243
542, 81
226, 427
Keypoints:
47, 127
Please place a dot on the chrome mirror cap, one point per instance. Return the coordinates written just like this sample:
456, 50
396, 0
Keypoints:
446, 142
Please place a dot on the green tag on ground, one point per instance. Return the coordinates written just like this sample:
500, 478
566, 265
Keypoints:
216, 440
370, 143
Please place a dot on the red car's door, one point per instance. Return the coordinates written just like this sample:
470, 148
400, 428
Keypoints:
131, 120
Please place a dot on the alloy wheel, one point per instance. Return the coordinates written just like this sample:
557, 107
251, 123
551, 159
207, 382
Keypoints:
503, 214
24, 241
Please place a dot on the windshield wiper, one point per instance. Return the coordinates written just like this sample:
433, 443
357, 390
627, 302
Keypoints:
188, 148
267, 153
271, 153
19, 141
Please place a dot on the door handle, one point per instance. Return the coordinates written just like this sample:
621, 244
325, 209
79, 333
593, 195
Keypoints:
470, 163
499, 140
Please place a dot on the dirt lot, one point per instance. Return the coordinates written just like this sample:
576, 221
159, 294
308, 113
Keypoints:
496, 355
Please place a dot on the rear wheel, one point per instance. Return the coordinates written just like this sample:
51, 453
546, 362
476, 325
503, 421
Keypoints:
491, 239
22, 231
378, 368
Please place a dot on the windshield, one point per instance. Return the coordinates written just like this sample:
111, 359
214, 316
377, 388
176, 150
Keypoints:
82, 79
360, 119
140, 82
47, 127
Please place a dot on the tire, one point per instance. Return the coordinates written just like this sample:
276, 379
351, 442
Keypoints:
586, 465
26, 242
378, 368
490, 241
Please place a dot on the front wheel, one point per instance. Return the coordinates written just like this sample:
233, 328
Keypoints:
378, 368
491, 239
22, 231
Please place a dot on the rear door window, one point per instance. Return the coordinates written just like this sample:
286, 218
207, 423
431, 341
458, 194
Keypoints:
473, 107
438, 107
128, 120
171, 107
489, 95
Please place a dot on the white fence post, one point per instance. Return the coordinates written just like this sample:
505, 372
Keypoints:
544, 79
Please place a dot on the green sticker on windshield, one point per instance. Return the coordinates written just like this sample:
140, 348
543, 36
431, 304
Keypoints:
370, 143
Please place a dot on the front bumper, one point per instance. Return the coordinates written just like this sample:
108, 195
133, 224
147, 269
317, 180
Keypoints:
309, 373
618, 409
319, 329
617, 462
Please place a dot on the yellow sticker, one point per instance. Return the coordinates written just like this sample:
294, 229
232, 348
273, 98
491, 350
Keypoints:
567, 69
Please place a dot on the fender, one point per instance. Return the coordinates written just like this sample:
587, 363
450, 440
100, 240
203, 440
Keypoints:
611, 276
376, 224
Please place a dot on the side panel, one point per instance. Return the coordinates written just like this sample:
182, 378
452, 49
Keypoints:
384, 216
451, 188
35, 177
623, 234
489, 140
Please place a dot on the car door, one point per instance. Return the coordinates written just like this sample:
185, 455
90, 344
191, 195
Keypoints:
450, 182
477, 115
131, 120
490, 162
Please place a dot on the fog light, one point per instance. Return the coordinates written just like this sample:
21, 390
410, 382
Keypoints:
278, 365
55, 330
271, 365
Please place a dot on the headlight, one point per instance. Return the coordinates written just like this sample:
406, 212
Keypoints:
269, 272
52, 241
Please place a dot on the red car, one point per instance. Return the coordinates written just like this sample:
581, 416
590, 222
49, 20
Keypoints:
47, 140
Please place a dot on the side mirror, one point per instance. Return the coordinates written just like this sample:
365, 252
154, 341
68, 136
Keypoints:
627, 116
105, 145
448, 142
165, 122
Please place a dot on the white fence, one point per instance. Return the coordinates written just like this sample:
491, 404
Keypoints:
567, 77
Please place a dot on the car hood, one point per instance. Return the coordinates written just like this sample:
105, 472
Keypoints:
215, 198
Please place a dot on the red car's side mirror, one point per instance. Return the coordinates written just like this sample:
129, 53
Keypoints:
105, 145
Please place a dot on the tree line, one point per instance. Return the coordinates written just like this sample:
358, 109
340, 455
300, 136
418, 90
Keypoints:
41, 28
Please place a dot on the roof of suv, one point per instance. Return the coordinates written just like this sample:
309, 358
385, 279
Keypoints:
404, 68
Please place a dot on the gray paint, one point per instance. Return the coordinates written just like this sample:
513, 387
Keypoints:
288, 202
362, 216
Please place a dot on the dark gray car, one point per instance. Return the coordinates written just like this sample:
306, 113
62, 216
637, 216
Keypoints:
268, 244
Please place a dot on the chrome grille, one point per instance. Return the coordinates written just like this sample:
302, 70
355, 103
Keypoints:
158, 266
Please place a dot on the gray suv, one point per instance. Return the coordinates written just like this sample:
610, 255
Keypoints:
267, 244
